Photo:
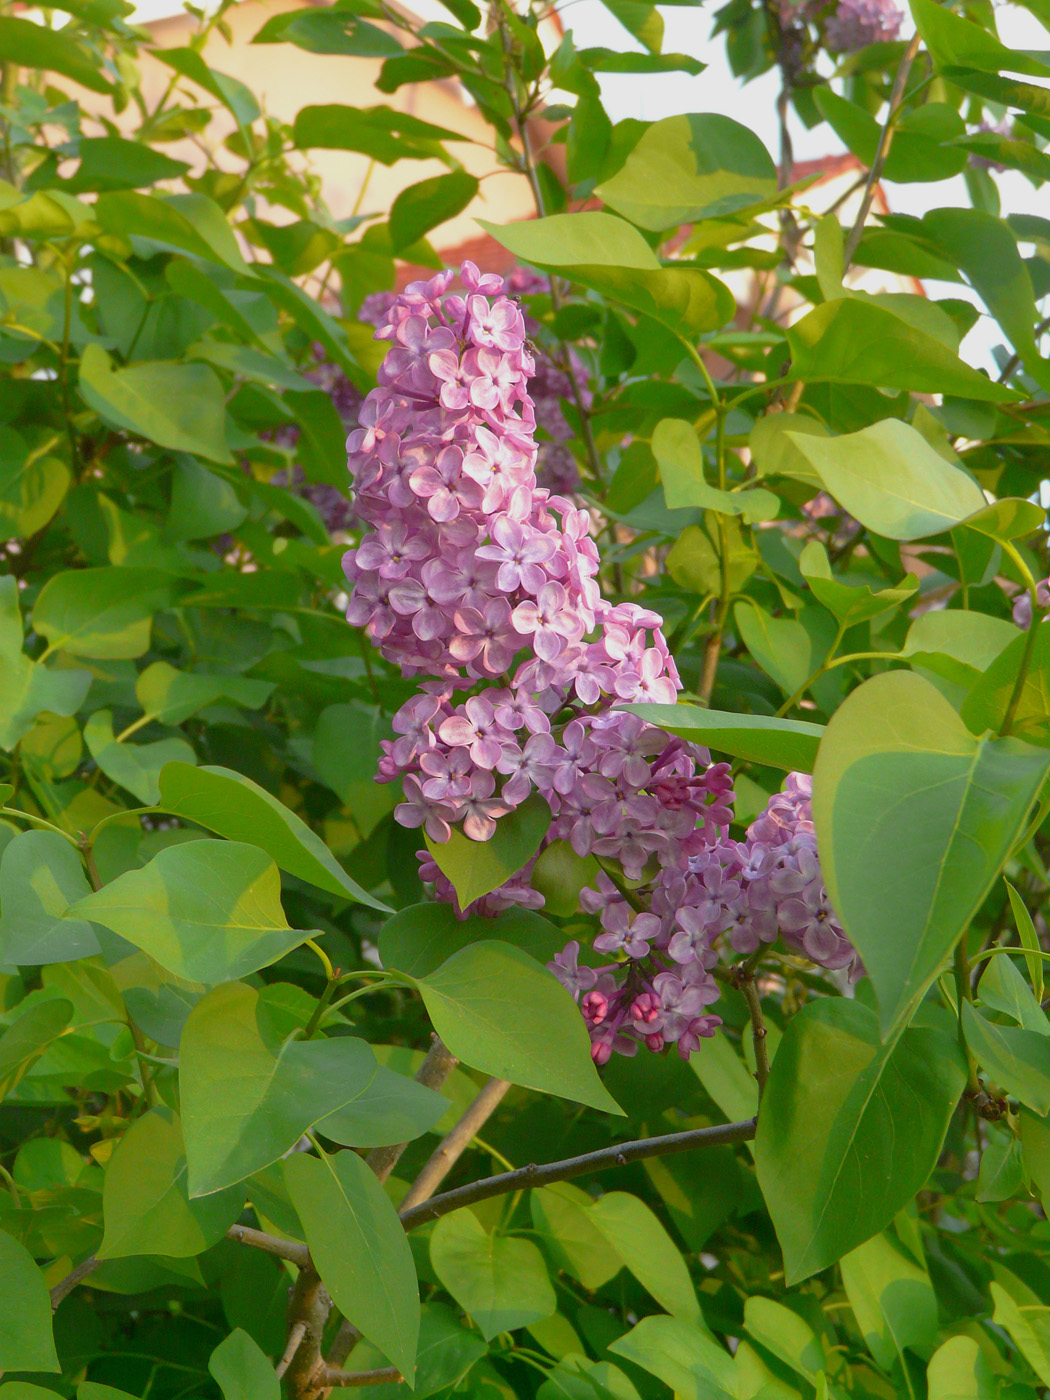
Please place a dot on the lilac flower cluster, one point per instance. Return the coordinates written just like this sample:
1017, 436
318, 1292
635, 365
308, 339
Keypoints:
848, 25
1022, 609
483, 585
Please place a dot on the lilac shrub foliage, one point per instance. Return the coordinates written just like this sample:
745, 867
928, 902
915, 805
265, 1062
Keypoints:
482, 585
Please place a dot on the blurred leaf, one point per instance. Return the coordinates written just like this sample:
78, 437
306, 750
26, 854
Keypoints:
105, 613
172, 696
231, 92
190, 223
30, 45
425, 206
378, 132
32, 486
41, 874
1016, 1059
28, 1037
892, 1299
28, 688
421, 937
26, 1339
986, 706
113, 163
392, 1109
135, 767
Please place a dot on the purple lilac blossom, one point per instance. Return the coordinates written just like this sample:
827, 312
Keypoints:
1022, 610
853, 24
475, 579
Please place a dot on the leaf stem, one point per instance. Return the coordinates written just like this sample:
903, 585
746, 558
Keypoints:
964, 992
1030, 637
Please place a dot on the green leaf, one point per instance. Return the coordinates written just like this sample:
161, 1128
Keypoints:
28, 688
393, 1108
145, 1201
172, 696
680, 459
1015, 1058
957, 645
235, 807
113, 163
502, 1013
686, 300
189, 223
892, 1299
788, 1336
103, 613
1002, 988
648, 1251
686, 168
359, 1249
29, 1037
828, 1163
986, 706
230, 91
283, 1086
850, 602
773, 449
428, 204
1002, 1173
179, 406
41, 874
1028, 1325
500, 1282
332, 31
32, 486
959, 1370
957, 42
1008, 519
418, 939
901, 785
782, 743
476, 868
587, 239
208, 911
563, 1218
30, 45
850, 341
26, 1339
890, 478
780, 645
242, 1371
135, 767
378, 132
1030, 940
683, 1355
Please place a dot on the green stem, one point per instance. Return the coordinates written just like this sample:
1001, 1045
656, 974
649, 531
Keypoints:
963, 993
1029, 646
39, 821
827, 666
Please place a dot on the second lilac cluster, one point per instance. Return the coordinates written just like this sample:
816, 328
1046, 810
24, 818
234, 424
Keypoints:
848, 25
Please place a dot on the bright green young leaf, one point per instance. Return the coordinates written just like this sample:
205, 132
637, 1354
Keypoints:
241, 1369
135, 767
1035, 1151
208, 911
179, 406
41, 874
1002, 1173
378, 132
32, 487
686, 168
683, 1354
677, 451
235, 807
392, 1108
1015, 1058
283, 1086
31, 1035
901, 785
850, 602
147, 1208
986, 706
113, 163
959, 1370
892, 480
172, 696
190, 223
957, 645
476, 868
28, 688
562, 1216
1002, 988
828, 1164
892, 1299
359, 1249
499, 1011
647, 1250
849, 341
1008, 519
1026, 931
500, 1282
103, 613
1028, 1324
788, 1336
559, 875
26, 1339
588, 239
418, 939
953, 41
780, 645
773, 446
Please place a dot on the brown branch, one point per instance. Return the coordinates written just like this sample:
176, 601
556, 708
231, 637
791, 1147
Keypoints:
435, 1069
66, 1285
456, 1143
900, 82
295, 1336
758, 1030
333, 1376
291, 1250
307, 1311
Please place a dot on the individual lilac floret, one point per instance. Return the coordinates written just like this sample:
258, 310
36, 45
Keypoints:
1023, 603
853, 24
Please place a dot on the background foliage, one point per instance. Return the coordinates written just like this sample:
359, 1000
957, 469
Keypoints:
199, 875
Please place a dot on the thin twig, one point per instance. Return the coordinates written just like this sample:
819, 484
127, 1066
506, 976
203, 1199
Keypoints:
882, 151
455, 1144
295, 1336
309, 1311
435, 1069
749, 989
291, 1250
66, 1285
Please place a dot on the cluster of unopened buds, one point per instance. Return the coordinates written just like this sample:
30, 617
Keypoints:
483, 586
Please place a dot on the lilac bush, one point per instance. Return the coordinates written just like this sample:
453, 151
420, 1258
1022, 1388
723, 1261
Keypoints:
482, 585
